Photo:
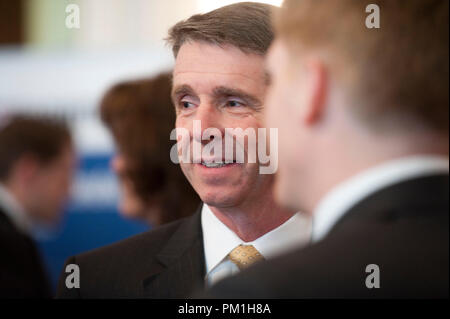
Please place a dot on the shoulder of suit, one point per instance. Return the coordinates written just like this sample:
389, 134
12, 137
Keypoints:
8, 232
338, 263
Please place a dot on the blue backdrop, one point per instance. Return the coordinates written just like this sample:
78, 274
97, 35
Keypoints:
91, 218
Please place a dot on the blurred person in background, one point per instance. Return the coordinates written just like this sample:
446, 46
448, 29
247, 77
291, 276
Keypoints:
140, 116
36, 165
363, 118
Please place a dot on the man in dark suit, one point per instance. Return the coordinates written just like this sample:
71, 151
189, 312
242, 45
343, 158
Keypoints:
219, 82
362, 111
36, 161
21, 272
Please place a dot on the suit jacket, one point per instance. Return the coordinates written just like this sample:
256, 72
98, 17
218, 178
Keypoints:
166, 262
403, 229
21, 272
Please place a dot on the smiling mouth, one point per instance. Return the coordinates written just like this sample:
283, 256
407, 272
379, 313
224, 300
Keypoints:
217, 164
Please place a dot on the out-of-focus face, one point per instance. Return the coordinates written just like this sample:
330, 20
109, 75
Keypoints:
130, 205
284, 103
223, 88
50, 186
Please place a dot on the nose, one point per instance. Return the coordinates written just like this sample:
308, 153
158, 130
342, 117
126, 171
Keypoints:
210, 117
118, 163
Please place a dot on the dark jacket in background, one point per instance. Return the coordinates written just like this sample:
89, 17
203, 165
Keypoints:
21, 272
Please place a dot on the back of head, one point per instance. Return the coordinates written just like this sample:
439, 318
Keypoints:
139, 113
141, 117
36, 165
20, 135
245, 25
395, 74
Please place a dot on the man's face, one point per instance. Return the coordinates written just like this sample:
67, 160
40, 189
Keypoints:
50, 187
223, 88
285, 99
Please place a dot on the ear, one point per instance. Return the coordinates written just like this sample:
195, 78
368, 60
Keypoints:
316, 83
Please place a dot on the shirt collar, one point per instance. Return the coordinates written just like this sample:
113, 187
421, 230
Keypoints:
219, 240
14, 211
344, 196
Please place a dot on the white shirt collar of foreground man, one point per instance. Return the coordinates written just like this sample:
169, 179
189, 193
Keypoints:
219, 241
347, 194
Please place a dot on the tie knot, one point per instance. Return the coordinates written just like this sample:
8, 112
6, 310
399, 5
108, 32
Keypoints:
244, 256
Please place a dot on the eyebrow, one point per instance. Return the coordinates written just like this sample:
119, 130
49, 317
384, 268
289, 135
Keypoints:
218, 92
180, 90
223, 91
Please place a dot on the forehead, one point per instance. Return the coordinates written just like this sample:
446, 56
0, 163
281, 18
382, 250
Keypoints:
200, 63
277, 55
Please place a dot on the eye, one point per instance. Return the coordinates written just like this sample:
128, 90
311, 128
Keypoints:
234, 103
186, 103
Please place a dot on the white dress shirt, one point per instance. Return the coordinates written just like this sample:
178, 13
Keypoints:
14, 211
219, 241
344, 196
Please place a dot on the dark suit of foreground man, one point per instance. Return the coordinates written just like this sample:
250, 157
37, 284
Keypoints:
363, 129
403, 229
219, 79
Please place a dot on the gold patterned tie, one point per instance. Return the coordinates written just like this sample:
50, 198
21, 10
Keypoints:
244, 256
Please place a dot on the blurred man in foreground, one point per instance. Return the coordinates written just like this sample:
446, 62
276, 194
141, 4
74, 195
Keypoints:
363, 118
36, 165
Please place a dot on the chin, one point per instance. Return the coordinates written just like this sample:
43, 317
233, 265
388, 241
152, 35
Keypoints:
129, 212
221, 197
51, 218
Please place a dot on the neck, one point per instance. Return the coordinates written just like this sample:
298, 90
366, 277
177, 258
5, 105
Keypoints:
249, 221
355, 158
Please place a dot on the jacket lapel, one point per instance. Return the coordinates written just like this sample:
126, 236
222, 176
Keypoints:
180, 269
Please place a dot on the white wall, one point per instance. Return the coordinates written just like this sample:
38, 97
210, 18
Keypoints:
70, 83
64, 72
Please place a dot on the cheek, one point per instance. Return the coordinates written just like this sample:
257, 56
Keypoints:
185, 168
128, 191
287, 139
59, 188
270, 107
277, 106
127, 186
183, 122
116, 164
56, 189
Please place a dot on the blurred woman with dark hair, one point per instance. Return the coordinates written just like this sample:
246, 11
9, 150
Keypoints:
140, 116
